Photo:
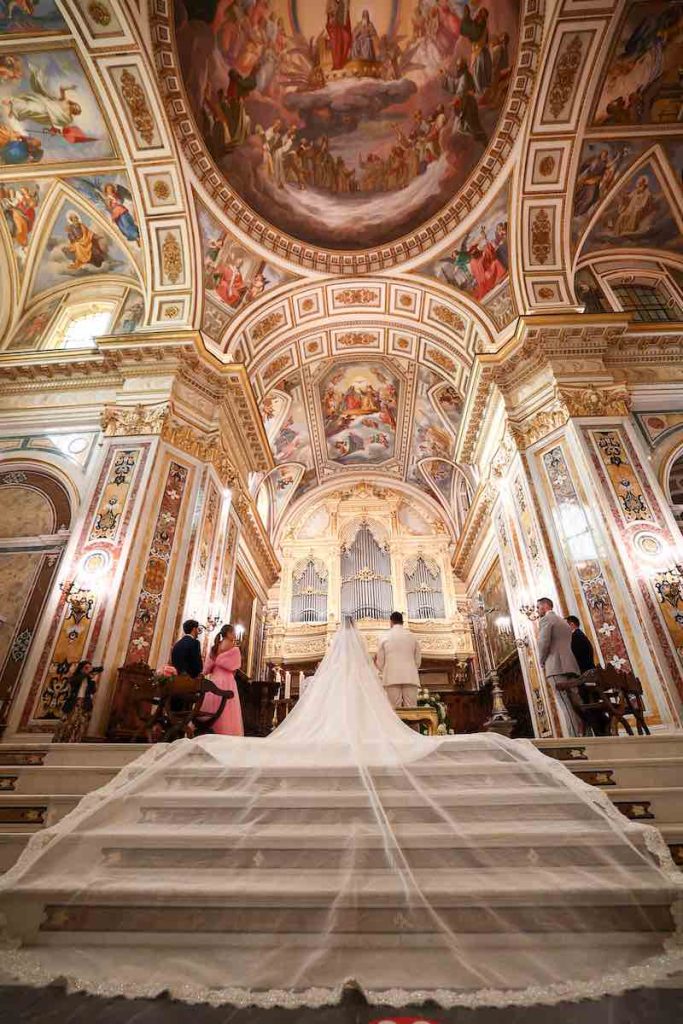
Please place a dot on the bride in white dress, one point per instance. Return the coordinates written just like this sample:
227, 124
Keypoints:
469, 870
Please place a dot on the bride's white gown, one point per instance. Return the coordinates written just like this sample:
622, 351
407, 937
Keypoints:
471, 870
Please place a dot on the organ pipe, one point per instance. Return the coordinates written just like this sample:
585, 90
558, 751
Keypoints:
366, 591
309, 593
424, 590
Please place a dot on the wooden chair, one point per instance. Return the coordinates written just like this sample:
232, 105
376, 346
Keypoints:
618, 694
179, 707
626, 691
162, 712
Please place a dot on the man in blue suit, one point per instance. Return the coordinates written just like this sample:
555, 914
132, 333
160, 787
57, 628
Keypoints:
186, 656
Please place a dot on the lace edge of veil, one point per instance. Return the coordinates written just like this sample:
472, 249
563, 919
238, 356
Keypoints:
25, 967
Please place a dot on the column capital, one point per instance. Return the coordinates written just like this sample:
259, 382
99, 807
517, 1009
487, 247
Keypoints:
133, 420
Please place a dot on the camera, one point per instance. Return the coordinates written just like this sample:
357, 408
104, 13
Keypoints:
96, 669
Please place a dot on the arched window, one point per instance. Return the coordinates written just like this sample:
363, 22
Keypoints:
78, 326
309, 592
366, 591
424, 590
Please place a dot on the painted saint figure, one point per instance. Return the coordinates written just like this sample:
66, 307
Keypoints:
365, 40
84, 245
338, 29
635, 207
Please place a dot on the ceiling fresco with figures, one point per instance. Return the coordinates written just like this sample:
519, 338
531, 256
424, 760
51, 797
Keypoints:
353, 200
346, 125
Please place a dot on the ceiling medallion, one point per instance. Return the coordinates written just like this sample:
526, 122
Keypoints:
343, 138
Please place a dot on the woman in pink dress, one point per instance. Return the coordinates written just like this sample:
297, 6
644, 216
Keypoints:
223, 661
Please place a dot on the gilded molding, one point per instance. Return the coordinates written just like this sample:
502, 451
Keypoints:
612, 400
538, 427
477, 522
131, 421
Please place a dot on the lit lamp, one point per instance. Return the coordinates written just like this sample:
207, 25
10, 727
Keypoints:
239, 632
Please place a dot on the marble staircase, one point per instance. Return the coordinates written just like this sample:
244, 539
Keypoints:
41, 782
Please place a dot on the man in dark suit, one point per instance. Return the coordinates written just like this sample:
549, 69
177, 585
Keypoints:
582, 648
186, 656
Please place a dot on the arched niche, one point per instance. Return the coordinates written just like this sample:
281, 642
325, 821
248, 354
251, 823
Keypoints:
35, 519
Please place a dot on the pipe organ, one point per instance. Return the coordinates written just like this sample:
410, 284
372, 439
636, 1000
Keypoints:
309, 592
424, 590
366, 591
365, 550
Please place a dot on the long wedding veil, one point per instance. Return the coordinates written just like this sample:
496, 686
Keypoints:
469, 870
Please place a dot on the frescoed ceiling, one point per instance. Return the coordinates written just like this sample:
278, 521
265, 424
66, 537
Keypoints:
353, 207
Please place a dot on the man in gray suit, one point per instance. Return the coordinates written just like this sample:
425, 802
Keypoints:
555, 654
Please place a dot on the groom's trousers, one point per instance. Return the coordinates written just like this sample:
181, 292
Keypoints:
402, 696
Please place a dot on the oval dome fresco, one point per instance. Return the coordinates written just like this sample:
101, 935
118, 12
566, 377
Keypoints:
346, 124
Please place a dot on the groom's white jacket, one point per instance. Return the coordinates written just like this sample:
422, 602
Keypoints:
399, 657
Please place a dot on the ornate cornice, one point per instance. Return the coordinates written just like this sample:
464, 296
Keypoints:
228, 388
205, 446
477, 522
257, 538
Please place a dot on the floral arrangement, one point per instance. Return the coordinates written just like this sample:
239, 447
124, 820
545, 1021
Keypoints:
433, 700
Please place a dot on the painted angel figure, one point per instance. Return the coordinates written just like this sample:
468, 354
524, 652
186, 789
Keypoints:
117, 200
55, 113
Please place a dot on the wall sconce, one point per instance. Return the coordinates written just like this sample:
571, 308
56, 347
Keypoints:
239, 632
529, 611
504, 626
213, 617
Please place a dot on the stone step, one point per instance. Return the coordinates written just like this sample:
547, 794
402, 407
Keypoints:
645, 772
651, 805
114, 755
55, 779
35, 810
274, 887
661, 744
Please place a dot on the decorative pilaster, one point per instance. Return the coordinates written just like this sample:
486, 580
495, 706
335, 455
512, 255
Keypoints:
90, 582
579, 517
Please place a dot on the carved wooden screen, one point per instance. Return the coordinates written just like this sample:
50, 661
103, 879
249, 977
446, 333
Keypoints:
424, 590
309, 592
366, 591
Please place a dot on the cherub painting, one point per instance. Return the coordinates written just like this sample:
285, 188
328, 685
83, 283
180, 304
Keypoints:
19, 201
31, 330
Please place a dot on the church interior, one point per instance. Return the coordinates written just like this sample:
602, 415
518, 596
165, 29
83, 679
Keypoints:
316, 310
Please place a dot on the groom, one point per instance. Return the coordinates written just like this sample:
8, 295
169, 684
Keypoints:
398, 659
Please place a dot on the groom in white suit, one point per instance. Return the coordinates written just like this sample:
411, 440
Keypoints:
398, 659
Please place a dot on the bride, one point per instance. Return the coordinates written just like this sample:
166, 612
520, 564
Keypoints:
467, 870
